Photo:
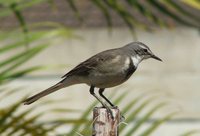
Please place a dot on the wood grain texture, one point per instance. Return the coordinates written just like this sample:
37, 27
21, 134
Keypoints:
103, 124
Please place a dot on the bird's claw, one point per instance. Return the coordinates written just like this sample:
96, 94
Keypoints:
115, 107
110, 112
122, 118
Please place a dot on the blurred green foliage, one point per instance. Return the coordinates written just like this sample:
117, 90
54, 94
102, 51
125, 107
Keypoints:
28, 43
156, 13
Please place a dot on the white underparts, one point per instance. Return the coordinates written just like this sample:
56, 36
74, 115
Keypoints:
136, 60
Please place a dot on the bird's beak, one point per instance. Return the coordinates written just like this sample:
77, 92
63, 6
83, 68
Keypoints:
155, 57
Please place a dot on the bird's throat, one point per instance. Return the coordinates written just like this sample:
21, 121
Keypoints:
136, 60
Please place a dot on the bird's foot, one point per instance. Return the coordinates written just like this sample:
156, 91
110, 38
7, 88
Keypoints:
109, 111
115, 107
122, 118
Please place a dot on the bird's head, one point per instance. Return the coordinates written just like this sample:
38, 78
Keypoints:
141, 51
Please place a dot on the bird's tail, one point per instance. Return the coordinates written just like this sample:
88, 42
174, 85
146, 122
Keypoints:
43, 93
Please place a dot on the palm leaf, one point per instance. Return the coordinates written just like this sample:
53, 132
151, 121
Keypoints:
30, 126
192, 3
174, 10
8, 113
181, 8
22, 123
15, 120
104, 10
191, 133
156, 124
131, 105
9, 65
84, 115
150, 16
8, 92
133, 115
21, 20
146, 117
125, 15
169, 12
75, 9
23, 72
22, 4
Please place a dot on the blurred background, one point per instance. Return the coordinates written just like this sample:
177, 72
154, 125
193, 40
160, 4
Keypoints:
41, 40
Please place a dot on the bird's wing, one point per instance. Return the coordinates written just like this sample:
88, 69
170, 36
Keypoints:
82, 69
90, 64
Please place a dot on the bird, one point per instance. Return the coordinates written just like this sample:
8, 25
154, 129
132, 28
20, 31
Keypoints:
106, 69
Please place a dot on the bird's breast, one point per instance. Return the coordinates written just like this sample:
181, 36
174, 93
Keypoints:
113, 75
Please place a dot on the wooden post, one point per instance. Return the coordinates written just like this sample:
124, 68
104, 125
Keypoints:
103, 124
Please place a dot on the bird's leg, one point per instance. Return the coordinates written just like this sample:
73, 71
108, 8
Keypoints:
104, 105
92, 93
101, 90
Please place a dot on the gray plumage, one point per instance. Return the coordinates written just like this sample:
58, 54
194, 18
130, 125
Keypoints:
103, 70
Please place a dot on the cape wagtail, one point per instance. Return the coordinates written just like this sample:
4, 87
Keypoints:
103, 70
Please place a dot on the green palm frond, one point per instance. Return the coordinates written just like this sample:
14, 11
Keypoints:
75, 9
191, 133
146, 14
137, 106
105, 11
135, 13
138, 113
17, 119
21, 21
8, 65
146, 117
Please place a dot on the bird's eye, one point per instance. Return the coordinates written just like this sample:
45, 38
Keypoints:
145, 50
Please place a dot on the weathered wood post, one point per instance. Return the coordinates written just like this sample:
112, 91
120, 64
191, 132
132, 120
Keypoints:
103, 123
